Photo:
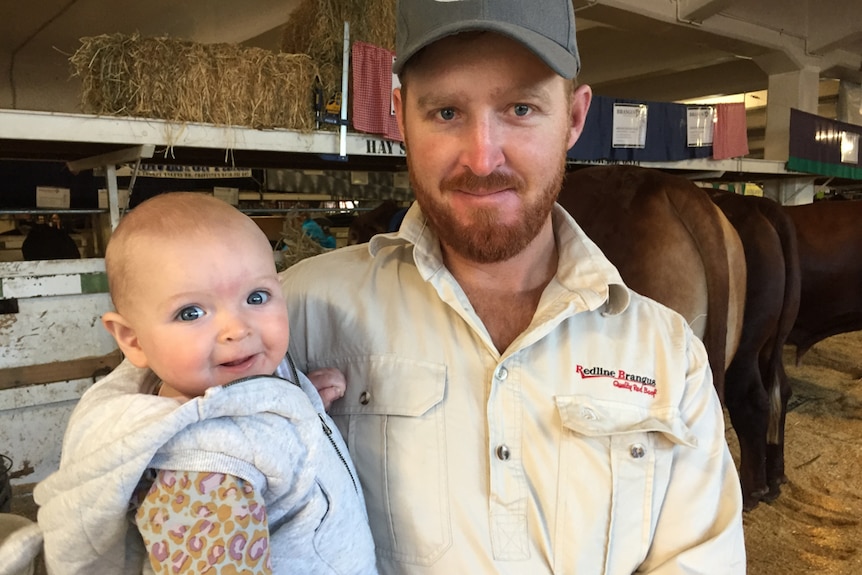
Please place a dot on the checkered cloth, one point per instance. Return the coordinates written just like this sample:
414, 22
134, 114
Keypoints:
730, 135
372, 91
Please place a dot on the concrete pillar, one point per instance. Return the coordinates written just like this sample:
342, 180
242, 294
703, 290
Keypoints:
794, 89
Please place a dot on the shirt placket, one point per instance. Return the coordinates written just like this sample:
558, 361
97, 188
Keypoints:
507, 504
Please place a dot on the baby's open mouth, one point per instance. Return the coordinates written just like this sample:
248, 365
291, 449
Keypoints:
238, 362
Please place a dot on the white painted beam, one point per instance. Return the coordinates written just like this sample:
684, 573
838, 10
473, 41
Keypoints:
700, 10
112, 158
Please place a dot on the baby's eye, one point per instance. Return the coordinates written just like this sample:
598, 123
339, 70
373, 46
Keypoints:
447, 114
522, 109
190, 313
258, 297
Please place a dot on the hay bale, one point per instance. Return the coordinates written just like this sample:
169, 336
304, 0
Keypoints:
316, 28
181, 81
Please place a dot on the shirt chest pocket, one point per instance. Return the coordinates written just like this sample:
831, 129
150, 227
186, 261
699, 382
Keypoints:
620, 456
392, 420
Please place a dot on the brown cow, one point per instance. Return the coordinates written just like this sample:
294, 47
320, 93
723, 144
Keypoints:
372, 222
670, 243
829, 235
756, 385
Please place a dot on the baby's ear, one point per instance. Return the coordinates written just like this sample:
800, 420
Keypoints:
125, 337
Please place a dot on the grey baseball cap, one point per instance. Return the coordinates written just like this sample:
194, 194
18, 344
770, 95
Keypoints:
547, 27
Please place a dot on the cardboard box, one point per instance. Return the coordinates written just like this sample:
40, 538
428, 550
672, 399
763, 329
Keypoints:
229, 195
122, 195
52, 198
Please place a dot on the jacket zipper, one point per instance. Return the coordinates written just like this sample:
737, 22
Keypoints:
328, 431
326, 428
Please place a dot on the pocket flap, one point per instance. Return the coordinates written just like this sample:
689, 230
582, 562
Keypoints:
389, 385
593, 417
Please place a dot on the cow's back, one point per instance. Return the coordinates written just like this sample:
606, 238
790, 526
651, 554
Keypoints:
829, 238
670, 243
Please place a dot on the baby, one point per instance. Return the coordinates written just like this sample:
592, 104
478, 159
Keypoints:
205, 449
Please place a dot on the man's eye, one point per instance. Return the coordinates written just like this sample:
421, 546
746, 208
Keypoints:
447, 113
522, 109
190, 313
258, 298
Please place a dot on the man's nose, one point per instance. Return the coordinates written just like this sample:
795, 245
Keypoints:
483, 146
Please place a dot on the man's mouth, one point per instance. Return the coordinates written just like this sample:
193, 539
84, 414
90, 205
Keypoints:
492, 183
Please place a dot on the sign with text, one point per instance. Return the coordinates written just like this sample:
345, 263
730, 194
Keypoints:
699, 126
850, 147
191, 172
630, 124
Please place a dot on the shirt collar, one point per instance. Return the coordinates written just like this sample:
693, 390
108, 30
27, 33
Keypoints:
583, 270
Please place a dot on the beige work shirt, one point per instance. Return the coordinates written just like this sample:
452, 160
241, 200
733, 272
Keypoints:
594, 444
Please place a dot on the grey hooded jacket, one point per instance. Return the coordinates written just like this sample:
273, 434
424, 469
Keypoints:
265, 430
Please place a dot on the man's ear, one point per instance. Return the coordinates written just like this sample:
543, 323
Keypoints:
125, 337
581, 98
399, 110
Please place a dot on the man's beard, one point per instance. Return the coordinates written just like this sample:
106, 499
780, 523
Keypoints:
485, 239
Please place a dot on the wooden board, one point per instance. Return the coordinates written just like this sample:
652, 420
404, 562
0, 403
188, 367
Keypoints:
85, 367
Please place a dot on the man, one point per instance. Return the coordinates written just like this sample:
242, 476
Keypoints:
511, 406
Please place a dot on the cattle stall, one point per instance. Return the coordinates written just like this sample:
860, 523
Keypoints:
52, 348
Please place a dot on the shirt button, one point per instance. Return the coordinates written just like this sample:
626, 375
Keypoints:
637, 450
502, 373
364, 397
503, 453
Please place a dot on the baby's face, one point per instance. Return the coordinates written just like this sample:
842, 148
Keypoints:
208, 312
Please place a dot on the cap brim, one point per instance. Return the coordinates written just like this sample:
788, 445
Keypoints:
558, 58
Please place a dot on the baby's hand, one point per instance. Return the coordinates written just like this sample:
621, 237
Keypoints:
330, 384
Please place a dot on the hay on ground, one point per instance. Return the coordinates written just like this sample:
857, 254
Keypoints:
176, 80
295, 244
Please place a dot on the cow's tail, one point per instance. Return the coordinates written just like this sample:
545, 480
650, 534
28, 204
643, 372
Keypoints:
698, 214
792, 285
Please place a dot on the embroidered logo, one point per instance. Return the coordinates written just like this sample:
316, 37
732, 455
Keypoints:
621, 379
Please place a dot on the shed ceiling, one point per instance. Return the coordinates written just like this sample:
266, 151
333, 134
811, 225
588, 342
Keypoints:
664, 50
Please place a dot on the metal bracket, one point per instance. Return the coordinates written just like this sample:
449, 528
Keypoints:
112, 158
109, 162
345, 71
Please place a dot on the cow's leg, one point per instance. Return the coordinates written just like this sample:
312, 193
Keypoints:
775, 475
748, 406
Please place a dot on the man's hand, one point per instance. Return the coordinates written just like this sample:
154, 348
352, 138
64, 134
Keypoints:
330, 384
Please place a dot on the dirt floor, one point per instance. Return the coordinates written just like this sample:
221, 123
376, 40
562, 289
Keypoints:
815, 526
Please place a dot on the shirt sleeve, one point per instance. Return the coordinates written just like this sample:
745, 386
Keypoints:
700, 529
200, 522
